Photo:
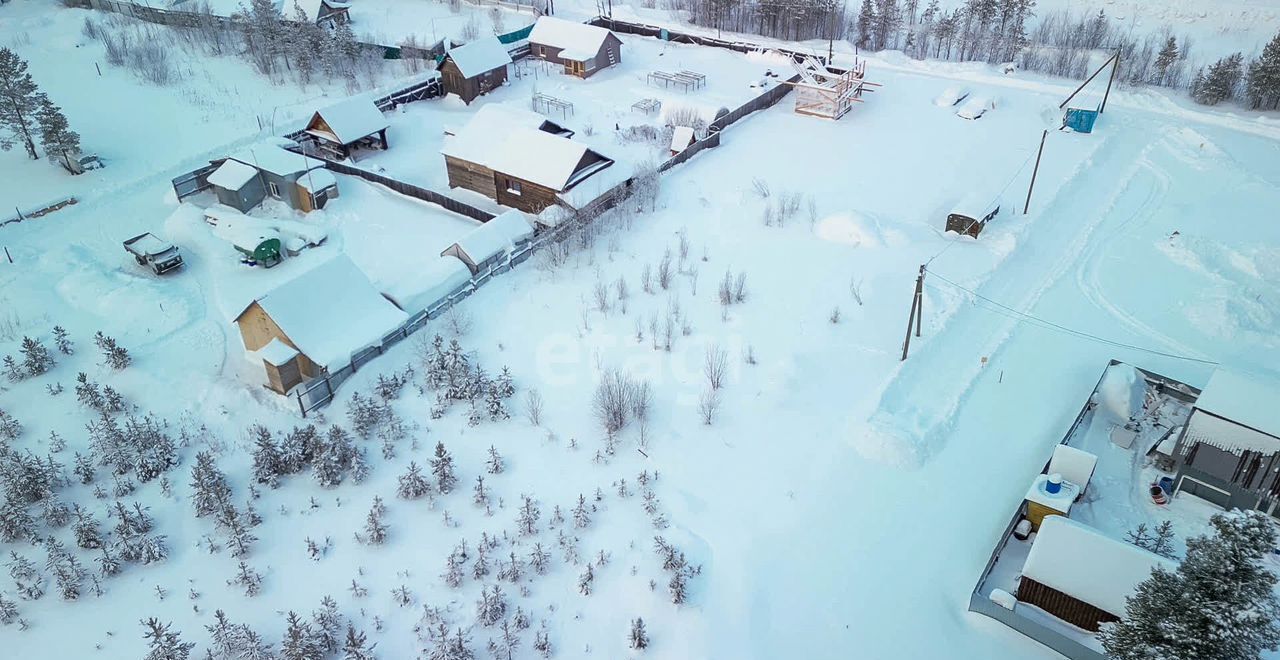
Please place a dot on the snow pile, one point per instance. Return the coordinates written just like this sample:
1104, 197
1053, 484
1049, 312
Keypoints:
849, 229
1119, 394
883, 441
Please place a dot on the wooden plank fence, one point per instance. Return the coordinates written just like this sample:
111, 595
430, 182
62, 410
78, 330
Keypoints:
627, 27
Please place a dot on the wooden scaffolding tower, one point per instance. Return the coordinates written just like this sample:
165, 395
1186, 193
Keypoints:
829, 92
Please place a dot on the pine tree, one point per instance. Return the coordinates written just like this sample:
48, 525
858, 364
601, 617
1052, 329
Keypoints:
1164, 73
581, 516
1262, 83
442, 469
299, 641
35, 357
163, 643
225, 638
328, 625
412, 484
86, 530
638, 639
528, 517
20, 101
356, 646
1218, 603
1219, 82
494, 464
585, 580
866, 24
8, 611
1162, 544
10, 427
12, 370
333, 457
375, 530
209, 484
542, 643
268, 464
15, 523
59, 141
62, 341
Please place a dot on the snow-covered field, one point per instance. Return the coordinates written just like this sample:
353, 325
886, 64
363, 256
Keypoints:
842, 503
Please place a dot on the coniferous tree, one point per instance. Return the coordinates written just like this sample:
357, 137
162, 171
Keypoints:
1164, 73
59, 141
1219, 82
1218, 603
412, 484
8, 611
375, 530
442, 469
35, 357
62, 341
209, 484
268, 463
299, 641
164, 644
328, 625
1262, 84
638, 638
357, 647
20, 101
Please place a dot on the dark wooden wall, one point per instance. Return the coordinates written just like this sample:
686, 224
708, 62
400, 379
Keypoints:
1069, 609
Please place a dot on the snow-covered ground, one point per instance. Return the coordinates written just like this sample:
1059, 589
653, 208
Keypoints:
841, 503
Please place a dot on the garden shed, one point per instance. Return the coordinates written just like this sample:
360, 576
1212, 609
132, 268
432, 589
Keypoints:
486, 245
474, 68
342, 127
424, 289
582, 49
1081, 576
324, 314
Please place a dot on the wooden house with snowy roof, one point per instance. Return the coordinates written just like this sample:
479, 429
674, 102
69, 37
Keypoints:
325, 13
342, 127
582, 49
474, 68
315, 321
519, 159
1228, 452
1082, 576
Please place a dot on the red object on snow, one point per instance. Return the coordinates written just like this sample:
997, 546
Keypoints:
1157, 494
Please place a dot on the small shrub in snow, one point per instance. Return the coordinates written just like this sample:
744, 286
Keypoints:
708, 406
834, 316
10, 428
62, 341
375, 529
8, 611
442, 469
248, 579
357, 646
528, 517
35, 357
12, 370
715, 365
115, 356
586, 580
492, 606
533, 407
412, 484
164, 644
638, 638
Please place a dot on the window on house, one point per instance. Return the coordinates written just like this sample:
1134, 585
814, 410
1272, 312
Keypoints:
513, 187
273, 189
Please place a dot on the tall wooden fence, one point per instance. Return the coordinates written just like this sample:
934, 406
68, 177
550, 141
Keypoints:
627, 27
417, 192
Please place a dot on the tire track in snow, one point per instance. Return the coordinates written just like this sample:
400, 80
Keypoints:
917, 404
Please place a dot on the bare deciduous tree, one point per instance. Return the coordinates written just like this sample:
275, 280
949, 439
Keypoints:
715, 365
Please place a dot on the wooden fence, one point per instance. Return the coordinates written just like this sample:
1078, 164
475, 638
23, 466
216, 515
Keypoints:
627, 27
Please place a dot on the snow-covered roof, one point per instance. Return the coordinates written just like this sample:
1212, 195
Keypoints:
1086, 565
569, 35
350, 120
419, 289
309, 233
311, 9
232, 175
479, 56
271, 156
1228, 435
1075, 465
578, 53
508, 140
277, 352
1059, 501
681, 138
1244, 399
496, 236
317, 180
331, 311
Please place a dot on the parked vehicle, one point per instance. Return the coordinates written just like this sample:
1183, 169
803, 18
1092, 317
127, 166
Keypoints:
975, 107
951, 96
154, 252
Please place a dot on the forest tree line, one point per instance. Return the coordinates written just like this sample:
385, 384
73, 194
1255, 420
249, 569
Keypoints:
1006, 31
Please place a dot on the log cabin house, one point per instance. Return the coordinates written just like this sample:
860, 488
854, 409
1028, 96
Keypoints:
315, 321
244, 180
474, 68
325, 13
582, 49
342, 127
518, 159
1081, 576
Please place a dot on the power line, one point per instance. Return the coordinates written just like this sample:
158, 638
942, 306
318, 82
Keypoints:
1010, 312
1000, 194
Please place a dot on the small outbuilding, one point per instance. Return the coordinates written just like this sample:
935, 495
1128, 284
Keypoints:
518, 158
343, 127
316, 321
1081, 576
486, 245
474, 68
970, 216
244, 180
681, 138
427, 289
582, 49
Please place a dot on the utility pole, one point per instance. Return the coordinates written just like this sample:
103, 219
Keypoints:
914, 318
1114, 66
1034, 172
